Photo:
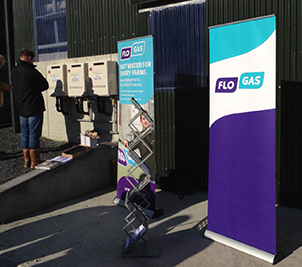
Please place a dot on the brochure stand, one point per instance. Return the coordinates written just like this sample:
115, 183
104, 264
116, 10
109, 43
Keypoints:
137, 221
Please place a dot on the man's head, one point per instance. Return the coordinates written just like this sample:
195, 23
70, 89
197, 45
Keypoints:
28, 56
2, 61
145, 123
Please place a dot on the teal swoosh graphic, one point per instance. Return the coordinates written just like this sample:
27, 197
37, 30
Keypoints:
239, 38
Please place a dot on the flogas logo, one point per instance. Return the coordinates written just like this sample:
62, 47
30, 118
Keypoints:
126, 53
121, 157
247, 80
226, 85
137, 49
124, 157
251, 80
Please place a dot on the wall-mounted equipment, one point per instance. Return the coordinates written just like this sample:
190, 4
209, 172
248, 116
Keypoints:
103, 78
77, 79
56, 77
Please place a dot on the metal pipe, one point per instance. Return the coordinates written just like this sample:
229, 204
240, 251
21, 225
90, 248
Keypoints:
89, 112
10, 55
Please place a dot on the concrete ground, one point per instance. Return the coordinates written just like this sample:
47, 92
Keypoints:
87, 231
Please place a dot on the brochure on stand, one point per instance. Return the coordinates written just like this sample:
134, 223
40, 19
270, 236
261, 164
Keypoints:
138, 187
139, 232
138, 161
136, 199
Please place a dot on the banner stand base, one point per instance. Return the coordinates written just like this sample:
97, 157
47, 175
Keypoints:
144, 250
271, 258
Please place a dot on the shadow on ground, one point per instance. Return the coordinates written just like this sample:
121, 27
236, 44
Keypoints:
88, 231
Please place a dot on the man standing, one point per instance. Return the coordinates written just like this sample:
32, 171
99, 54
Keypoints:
4, 87
28, 84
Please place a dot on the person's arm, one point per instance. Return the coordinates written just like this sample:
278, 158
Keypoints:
41, 82
126, 143
4, 87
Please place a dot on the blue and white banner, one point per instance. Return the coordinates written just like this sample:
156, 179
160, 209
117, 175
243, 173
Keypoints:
136, 71
242, 135
136, 79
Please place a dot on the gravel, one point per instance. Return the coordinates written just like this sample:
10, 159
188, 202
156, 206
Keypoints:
11, 157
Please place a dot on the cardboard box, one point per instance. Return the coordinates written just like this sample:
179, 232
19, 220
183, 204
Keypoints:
89, 140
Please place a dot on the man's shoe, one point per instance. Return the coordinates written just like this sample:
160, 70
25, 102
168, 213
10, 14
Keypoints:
35, 157
26, 158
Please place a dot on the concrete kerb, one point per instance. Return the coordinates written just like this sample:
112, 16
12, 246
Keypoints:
41, 188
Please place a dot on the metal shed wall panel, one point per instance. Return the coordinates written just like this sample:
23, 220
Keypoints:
2, 29
164, 101
181, 95
23, 26
179, 45
94, 27
291, 145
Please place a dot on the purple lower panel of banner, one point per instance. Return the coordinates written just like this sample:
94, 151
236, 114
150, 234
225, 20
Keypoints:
123, 186
242, 179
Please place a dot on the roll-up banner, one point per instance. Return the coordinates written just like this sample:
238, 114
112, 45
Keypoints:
241, 197
136, 80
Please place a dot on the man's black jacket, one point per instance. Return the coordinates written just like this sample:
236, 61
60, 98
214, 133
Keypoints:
28, 84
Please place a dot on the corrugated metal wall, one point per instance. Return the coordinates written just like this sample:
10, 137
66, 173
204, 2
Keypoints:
181, 96
291, 145
94, 27
2, 29
191, 135
289, 68
49, 19
23, 26
164, 101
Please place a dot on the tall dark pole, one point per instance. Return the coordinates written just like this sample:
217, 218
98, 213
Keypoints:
10, 59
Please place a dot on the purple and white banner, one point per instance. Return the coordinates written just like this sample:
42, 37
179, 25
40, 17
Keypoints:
241, 199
